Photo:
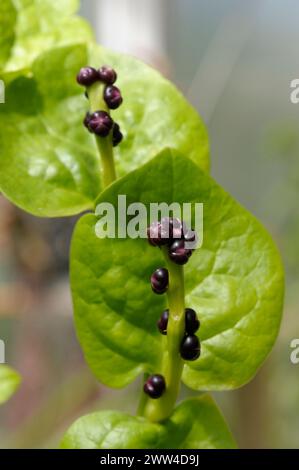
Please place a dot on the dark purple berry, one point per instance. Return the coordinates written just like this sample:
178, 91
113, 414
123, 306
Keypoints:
87, 76
163, 321
178, 253
159, 280
190, 237
154, 386
156, 235
100, 123
107, 75
190, 348
86, 120
153, 234
177, 228
191, 321
173, 227
117, 136
112, 97
166, 228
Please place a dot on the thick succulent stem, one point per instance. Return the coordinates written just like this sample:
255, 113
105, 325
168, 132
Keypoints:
161, 408
104, 144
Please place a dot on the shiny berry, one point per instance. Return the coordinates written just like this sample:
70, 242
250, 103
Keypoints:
163, 321
190, 348
100, 123
87, 119
177, 228
153, 234
178, 253
87, 76
159, 280
190, 238
166, 229
156, 235
117, 136
107, 75
191, 322
173, 226
154, 386
112, 97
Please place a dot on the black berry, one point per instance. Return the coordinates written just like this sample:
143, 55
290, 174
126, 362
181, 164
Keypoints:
159, 280
191, 322
177, 227
156, 234
163, 321
117, 136
86, 120
190, 348
190, 237
178, 253
107, 75
154, 386
112, 97
87, 76
100, 123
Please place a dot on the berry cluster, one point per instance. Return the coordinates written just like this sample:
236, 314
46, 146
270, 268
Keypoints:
173, 233
190, 345
100, 122
189, 349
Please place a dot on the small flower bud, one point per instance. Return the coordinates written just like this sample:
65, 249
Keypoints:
87, 76
191, 321
190, 348
107, 75
100, 123
87, 120
162, 322
155, 386
159, 281
156, 235
178, 253
117, 136
112, 97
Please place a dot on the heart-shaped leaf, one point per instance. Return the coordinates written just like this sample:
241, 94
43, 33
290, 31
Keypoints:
9, 382
234, 282
49, 164
195, 424
29, 27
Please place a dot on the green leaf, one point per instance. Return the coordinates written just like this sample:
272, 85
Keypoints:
154, 115
49, 164
7, 26
29, 27
9, 382
45, 166
234, 282
195, 424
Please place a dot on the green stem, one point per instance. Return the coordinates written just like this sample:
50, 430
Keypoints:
161, 408
143, 399
104, 144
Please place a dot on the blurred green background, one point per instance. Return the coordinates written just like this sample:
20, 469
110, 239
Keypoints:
234, 60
